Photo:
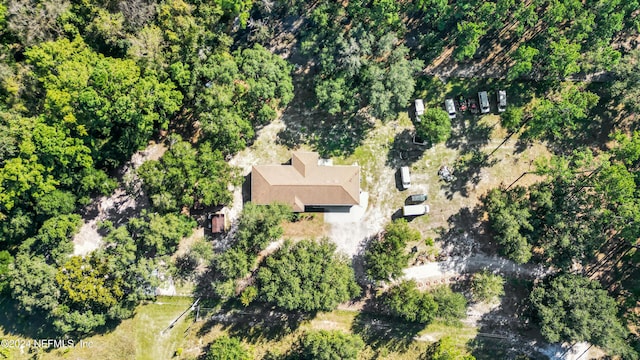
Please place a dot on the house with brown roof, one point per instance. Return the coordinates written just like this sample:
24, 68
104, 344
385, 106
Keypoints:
306, 183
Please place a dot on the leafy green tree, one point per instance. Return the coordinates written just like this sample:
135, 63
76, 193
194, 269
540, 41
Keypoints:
186, 176
574, 308
512, 118
159, 235
104, 101
260, 225
627, 74
233, 263
5, 263
53, 240
386, 258
330, 345
560, 114
524, 59
563, 59
445, 349
435, 126
33, 284
307, 276
391, 83
487, 287
451, 305
468, 39
408, 303
509, 217
227, 348
239, 92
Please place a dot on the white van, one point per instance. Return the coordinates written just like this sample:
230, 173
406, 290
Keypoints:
405, 177
450, 107
484, 102
419, 108
415, 210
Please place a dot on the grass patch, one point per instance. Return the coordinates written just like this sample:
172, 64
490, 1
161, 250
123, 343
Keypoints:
140, 337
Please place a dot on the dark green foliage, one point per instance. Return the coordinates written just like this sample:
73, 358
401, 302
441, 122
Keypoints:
104, 101
239, 92
5, 262
329, 345
487, 287
560, 115
306, 276
445, 349
53, 240
362, 65
627, 76
508, 220
159, 235
408, 303
186, 176
226, 348
452, 306
435, 126
386, 257
259, 225
573, 308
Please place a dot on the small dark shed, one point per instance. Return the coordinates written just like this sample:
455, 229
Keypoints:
217, 223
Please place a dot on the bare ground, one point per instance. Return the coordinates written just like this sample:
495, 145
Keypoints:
118, 207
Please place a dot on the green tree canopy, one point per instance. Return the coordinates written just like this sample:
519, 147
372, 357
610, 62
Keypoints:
259, 225
307, 276
435, 126
487, 287
186, 176
329, 345
408, 303
227, 348
574, 308
104, 101
386, 257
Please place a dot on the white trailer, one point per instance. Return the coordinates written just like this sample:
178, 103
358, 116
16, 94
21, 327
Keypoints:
415, 210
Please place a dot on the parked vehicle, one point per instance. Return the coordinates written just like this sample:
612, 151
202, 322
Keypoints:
419, 109
405, 177
450, 107
502, 100
462, 103
417, 198
415, 210
473, 105
484, 102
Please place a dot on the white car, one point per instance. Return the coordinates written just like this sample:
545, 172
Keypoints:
502, 100
450, 107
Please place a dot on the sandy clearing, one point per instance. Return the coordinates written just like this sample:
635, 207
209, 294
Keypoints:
118, 207
457, 265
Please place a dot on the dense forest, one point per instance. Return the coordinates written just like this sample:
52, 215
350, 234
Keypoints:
84, 85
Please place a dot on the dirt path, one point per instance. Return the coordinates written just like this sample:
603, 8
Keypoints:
455, 266
118, 207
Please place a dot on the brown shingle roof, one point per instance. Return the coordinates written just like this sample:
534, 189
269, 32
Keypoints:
305, 183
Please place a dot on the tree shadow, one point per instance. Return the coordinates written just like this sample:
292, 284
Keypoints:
465, 234
380, 330
404, 152
467, 172
507, 331
469, 134
14, 321
329, 135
